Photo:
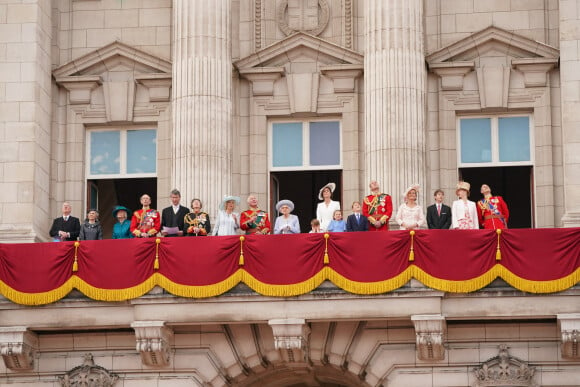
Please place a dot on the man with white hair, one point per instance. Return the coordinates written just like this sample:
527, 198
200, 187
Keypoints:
254, 220
65, 227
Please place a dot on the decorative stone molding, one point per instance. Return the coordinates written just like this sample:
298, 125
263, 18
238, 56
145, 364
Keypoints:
452, 73
343, 76
504, 370
79, 87
569, 325
262, 79
159, 86
18, 347
298, 15
430, 331
493, 83
535, 70
291, 338
153, 342
88, 375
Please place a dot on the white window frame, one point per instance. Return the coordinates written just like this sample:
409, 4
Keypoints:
495, 142
123, 153
305, 145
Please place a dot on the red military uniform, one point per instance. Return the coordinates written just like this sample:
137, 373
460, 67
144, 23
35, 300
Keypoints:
493, 212
261, 225
145, 221
378, 207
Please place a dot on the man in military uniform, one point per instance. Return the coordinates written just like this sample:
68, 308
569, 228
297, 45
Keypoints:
378, 208
145, 222
254, 220
492, 211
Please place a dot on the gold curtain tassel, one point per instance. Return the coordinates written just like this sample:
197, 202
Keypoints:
326, 259
75, 263
498, 251
156, 264
241, 262
412, 252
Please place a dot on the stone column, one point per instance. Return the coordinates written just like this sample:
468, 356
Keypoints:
201, 98
570, 87
395, 89
25, 93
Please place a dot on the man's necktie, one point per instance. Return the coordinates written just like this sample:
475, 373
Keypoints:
438, 210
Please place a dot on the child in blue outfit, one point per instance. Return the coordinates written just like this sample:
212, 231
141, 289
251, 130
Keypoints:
337, 224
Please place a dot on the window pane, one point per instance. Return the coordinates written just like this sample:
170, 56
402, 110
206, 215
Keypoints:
105, 152
475, 134
514, 139
141, 151
324, 143
287, 145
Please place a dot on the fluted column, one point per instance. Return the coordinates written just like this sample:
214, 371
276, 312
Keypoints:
395, 89
202, 106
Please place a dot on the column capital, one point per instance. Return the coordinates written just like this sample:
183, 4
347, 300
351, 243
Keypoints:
430, 331
153, 342
569, 325
291, 338
18, 347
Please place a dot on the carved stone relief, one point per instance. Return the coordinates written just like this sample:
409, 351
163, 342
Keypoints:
504, 370
310, 16
88, 375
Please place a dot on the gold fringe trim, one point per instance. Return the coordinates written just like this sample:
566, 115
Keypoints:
498, 251
530, 286
326, 258
412, 252
368, 287
284, 290
156, 263
465, 286
204, 291
241, 262
75, 267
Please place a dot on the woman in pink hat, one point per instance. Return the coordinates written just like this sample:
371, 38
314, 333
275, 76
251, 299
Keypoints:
463, 211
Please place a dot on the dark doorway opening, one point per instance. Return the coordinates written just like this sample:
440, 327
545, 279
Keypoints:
105, 194
302, 188
514, 184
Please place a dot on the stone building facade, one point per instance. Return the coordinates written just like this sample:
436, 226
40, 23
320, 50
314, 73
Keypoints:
103, 100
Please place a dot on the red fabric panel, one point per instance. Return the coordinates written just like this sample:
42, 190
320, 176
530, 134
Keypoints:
116, 263
36, 267
369, 257
455, 255
541, 254
284, 259
199, 260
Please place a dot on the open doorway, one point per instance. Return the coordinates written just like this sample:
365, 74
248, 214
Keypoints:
514, 184
105, 194
302, 188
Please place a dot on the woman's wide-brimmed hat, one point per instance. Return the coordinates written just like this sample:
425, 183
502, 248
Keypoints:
462, 185
409, 189
229, 198
330, 186
120, 208
285, 202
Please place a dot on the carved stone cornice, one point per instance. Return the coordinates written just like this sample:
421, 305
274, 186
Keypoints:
504, 370
153, 342
79, 87
343, 76
291, 338
535, 70
88, 375
262, 79
430, 333
159, 85
452, 73
18, 347
570, 332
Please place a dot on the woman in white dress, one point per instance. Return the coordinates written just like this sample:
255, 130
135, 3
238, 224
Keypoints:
227, 221
463, 211
286, 223
410, 215
326, 208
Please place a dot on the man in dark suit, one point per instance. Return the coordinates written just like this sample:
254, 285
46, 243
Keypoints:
355, 221
438, 214
65, 227
172, 217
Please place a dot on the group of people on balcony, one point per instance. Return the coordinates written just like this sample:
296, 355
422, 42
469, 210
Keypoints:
491, 212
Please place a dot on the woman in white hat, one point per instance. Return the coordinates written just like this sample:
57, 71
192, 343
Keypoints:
286, 223
410, 215
227, 221
463, 211
326, 208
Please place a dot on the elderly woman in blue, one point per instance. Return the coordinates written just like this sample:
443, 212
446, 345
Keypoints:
121, 228
286, 223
